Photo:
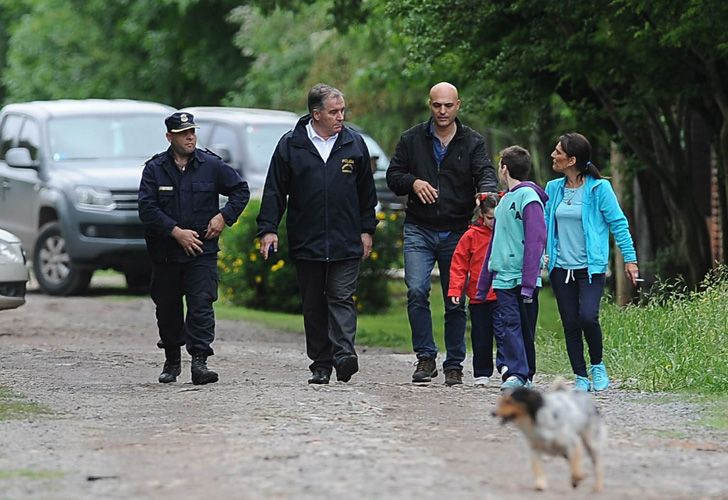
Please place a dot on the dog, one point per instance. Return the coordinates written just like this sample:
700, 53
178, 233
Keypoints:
561, 422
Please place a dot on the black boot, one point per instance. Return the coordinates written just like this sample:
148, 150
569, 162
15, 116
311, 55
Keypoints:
200, 373
172, 365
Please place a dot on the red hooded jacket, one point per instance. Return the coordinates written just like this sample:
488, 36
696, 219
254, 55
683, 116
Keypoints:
467, 261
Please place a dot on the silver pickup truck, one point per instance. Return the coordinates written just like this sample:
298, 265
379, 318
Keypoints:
69, 178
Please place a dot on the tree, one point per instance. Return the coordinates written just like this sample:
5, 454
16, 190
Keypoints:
366, 60
174, 51
623, 73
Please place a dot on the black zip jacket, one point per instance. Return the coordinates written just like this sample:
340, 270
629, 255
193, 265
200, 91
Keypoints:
465, 170
329, 204
169, 198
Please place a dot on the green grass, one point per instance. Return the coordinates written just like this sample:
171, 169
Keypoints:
30, 474
715, 414
390, 329
677, 341
13, 406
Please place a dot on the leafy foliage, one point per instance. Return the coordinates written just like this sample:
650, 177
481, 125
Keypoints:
676, 341
175, 51
366, 61
629, 71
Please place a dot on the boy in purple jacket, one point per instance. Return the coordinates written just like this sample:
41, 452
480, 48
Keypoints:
513, 266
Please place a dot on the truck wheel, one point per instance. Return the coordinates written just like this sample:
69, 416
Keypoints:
52, 265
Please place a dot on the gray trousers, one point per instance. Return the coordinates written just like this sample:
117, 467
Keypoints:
329, 313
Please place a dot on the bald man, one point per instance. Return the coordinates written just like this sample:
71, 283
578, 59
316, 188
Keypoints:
441, 165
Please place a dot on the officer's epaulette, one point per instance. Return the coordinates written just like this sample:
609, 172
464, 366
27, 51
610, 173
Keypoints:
207, 150
153, 157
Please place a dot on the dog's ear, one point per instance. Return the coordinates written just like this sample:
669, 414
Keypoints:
530, 399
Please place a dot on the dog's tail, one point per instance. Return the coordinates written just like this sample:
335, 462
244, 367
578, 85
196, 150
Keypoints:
559, 384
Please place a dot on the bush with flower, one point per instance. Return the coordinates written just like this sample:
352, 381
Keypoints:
248, 280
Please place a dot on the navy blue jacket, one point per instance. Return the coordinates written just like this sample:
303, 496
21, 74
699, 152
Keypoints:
465, 170
329, 204
188, 200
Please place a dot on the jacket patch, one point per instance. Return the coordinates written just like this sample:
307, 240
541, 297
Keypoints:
166, 188
347, 166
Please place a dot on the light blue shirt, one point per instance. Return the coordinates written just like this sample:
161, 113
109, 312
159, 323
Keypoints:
571, 242
600, 215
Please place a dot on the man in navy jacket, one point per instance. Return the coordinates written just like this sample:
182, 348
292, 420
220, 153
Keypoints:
179, 206
320, 172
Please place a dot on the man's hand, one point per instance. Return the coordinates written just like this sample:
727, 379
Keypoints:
268, 245
366, 244
424, 191
189, 240
455, 300
215, 227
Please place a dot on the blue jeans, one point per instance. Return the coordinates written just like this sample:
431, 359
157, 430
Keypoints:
422, 248
515, 333
578, 302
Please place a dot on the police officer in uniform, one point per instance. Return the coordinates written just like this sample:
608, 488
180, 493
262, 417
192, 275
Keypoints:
179, 207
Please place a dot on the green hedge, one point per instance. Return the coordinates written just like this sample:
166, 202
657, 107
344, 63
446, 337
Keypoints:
247, 280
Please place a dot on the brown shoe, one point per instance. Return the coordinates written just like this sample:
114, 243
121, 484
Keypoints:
453, 376
426, 369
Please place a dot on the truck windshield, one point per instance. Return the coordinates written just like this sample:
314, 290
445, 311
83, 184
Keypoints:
106, 136
261, 142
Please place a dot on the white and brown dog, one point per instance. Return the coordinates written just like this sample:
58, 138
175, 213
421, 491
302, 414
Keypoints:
561, 422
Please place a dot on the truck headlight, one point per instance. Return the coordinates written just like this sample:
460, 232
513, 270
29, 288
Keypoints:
11, 252
94, 198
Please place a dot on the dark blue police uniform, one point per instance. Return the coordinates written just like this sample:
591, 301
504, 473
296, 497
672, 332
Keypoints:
188, 199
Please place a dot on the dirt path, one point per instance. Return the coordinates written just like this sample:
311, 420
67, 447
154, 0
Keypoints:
262, 432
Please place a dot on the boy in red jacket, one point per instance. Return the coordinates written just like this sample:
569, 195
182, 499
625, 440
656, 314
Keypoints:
467, 261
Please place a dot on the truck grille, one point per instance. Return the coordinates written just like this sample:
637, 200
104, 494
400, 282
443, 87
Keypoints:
127, 201
114, 231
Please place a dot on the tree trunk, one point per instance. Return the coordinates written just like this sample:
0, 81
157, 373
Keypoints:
623, 287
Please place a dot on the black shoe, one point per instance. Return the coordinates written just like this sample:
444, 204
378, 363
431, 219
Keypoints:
426, 369
453, 376
172, 365
346, 368
320, 376
201, 374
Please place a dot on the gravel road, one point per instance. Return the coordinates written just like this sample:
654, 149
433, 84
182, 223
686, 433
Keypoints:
263, 432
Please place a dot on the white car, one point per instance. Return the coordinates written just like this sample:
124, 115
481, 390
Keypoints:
13, 271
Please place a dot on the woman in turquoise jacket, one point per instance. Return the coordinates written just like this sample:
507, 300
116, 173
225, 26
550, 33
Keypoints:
581, 211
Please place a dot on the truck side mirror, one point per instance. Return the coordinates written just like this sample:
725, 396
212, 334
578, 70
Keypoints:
19, 158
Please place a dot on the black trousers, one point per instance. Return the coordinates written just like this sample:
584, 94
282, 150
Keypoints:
329, 314
196, 281
578, 299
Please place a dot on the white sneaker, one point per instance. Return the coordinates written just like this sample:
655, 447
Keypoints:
481, 381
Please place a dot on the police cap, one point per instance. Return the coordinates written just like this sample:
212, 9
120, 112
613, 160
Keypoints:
179, 122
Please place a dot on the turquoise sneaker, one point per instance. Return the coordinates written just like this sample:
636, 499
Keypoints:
582, 384
600, 380
512, 383
528, 384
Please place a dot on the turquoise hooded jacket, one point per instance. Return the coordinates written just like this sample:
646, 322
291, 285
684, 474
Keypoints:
600, 214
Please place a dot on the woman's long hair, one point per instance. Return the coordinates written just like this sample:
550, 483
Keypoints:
576, 145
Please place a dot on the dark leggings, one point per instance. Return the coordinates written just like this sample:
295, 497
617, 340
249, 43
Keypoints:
578, 302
